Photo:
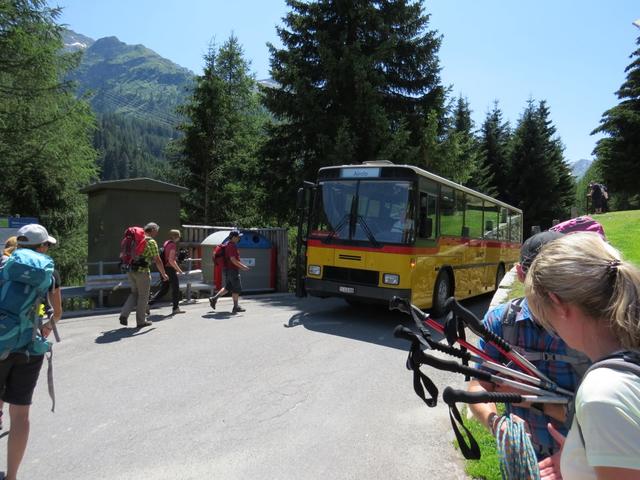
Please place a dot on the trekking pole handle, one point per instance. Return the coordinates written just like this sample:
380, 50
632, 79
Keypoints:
474, 323
405, 333
399, 303
451, 366
453, 395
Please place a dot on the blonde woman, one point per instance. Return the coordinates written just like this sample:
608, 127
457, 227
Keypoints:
9, 247
579, 287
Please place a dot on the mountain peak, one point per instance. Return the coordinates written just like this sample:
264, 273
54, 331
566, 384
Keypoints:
74, 41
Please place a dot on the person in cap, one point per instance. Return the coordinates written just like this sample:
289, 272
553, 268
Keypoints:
20, 370
140, 280
232, 267
514, 322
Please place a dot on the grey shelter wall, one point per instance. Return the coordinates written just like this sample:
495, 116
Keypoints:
116, 205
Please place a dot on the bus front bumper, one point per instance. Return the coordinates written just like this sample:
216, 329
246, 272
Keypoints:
325, 289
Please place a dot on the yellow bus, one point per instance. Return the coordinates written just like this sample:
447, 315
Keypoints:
378, 230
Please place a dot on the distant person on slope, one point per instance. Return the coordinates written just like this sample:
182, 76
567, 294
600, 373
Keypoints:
597, 195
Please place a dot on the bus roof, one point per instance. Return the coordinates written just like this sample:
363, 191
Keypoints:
426, 174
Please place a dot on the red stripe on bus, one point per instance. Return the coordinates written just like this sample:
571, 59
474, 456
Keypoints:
416, 250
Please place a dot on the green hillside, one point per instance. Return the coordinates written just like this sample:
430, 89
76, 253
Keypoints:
134, 93
132, 80
623, 231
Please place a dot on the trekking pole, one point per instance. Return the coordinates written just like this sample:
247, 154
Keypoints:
479, 329
420, 319
454, 367
407, 334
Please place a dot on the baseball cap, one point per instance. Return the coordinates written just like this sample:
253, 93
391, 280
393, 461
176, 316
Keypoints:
34, 234
532, 245
235, 233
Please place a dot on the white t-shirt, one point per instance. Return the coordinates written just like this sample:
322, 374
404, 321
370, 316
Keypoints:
608, 409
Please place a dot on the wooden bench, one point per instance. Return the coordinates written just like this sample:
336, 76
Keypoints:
189, 281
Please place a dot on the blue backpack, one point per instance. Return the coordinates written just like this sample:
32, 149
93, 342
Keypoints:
24, 282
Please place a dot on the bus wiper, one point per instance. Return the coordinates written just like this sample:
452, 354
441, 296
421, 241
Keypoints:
339, 226
368, 231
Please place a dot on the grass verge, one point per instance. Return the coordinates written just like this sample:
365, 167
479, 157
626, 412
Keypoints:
623, 232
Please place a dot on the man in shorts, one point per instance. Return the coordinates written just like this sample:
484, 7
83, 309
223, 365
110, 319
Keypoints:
20, 370
232, 267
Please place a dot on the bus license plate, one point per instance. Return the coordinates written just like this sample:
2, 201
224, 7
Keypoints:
346, 289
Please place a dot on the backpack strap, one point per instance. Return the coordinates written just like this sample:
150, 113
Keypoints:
508, 320
622, 361
577, 360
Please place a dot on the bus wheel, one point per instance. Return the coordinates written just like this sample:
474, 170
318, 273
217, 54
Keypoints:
441, 292
499, 275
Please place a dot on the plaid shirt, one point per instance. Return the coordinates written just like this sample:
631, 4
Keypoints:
532, 337
149, 253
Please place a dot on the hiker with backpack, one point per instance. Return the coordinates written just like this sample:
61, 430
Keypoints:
514, 322
137, 253
597, 192
227, 256
169, 259
580, 288
28, 277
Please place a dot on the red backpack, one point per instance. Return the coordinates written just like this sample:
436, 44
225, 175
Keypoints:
219, 255
131, 247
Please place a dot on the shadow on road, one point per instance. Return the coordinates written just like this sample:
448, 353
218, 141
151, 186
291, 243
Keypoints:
372, 323
118, 334
219, 315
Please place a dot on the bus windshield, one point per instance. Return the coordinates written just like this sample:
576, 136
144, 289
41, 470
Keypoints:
375, 211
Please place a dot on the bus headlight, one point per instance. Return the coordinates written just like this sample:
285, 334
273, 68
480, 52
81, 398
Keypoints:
391, 279
314, 269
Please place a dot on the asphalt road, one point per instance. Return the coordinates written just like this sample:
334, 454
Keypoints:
291, 389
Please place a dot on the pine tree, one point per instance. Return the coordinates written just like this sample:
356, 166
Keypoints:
495, 137
356, 82
217, 156
470, 169
45, 132
619, 151
541, 183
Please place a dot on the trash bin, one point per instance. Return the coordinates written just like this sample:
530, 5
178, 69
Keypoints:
256, 251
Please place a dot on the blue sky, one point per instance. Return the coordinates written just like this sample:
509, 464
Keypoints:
571, 53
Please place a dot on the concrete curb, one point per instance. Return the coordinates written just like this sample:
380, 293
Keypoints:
502, 293
96, 312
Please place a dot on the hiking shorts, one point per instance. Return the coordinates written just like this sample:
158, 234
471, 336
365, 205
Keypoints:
18, 377
232, 280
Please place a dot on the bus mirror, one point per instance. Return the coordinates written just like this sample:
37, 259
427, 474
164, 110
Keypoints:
300, 198
426, 227
488, 226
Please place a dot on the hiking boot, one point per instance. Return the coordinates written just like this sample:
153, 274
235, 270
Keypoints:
237, 309
123, 321
212, 302
177, 310
145, 324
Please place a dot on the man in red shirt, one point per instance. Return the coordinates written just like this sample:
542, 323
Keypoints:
232, 267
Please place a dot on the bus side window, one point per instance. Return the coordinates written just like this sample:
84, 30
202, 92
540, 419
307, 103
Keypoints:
451, 211
427, 215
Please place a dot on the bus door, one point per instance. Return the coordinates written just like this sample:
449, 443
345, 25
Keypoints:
304, 202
